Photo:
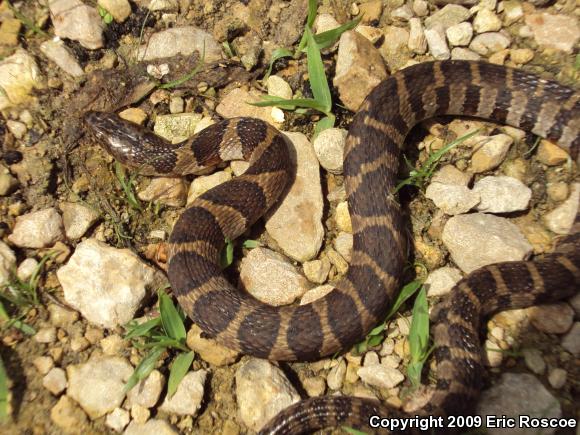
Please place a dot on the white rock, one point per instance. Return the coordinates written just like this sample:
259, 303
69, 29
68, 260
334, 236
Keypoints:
43, 364
371, 33
460, 34
317, 270
38, 229
62, 317
176, 127
421, 7
17, 128
560, 32
452, 199
97, 385
8, 183
459, 53
237, 103
146, 393
55, 381
169, 191
271, 278
208, 349
512, 11
380, 376
278, 87
342, 218
534, 360
26, 269
359, 68
486, 21
448, 16
518, 394
204, 183
316, 293
343, 245
119, 10
105, 284
492, 153
402, 13
417, 42
489, 43
571, 341
442, 280
19, 75
501, 194
151, 427
437, 44
181, 40
335, 377
56, 51
479, 239
493, 353
67, 415
74, 20
560, 219
118, 419
188, 396
7, 263
77, 219
557, 378
296, 223
262, 391
329, 148
46, 335
324, 23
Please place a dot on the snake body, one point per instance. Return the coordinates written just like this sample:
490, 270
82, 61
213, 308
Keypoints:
359, 301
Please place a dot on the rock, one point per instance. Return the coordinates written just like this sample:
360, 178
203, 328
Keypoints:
77, 219
38, 229
421, 7
105, 284
403, 13
329, 149
316, 293
335, 377
338, 262
551, 154
113, 345
270, 278
151, 427
512, 11
534, 361
442, 280
184, 40
8, 183
235, 104
359, 68
120, 11
98, 385
204, 183
78, 344
146, 393
342, 217
176, 127
452, 199
460, 34
9, 31
514, 395
417, 42
118, 419
140, 414
560, 219
553, 318
492, 153
317, 270
17, 128
262, 391
521, 56
163, 5
55, 381
447, 17
557, 378
315, 386
19, 75
134, 114
489, 43
437, 44
56, 51
560, 32
479, 239
208, 349
176, 104
62, 317
459, 53
380, 376
493, 354
68, 416
371, 11
296, 223
501, 194
43, 364
343, 245
7, 263
571, 341
278, 87
373, 34
486, 21
168, 191
395, 47
46, 335
575, 303
324, 23
188, 396
74, 20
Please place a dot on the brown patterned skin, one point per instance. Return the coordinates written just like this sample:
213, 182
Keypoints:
358, 302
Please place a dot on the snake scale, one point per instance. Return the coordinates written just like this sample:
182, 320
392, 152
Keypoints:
359, 301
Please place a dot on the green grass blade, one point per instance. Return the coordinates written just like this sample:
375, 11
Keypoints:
24, 327
178, 370
144, 368
3, 392
142, 329
283, 103
227, 255
189, 75
323, 124
353, 431
418, 338
251, 244
326, 39
170, 318
406, 292
316, 74
277, 54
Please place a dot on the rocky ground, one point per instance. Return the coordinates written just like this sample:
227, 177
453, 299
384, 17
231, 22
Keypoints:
98, 250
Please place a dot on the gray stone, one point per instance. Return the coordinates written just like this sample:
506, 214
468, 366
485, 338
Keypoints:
571, 341
343, 245
204, 183
56, 51
380, 376
296, 223
68, 416
329, 149
479, 239
19, 75
489, 43
188, 396
486, 21
335, 377
557, 378
534, 360
316, 293
39, 229
278, 87
119, 10
262, 390
55, 381
560, 32
146, 393
491, 152
77, 219
556, 318
447, 16
437, 44
560, 219
452, 199
501, 194
168, 191
417, 41
118, 419
184, 40
7, 263
208, 349
176, 127
442, 280
151, 427
74, 20
460, 53
460, 34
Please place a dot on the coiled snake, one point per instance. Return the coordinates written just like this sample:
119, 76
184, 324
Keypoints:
359, 301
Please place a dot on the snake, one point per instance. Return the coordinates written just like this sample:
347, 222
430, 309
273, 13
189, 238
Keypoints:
360, 300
